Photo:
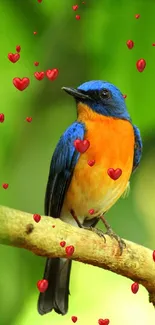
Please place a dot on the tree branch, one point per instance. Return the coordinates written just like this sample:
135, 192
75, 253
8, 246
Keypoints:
19, 229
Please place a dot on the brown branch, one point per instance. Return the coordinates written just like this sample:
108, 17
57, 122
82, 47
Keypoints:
20, 230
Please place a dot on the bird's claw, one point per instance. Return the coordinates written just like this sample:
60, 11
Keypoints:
111, 234
120, 241
97, 231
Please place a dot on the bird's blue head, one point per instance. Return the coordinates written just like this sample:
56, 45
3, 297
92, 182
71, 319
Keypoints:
102, 97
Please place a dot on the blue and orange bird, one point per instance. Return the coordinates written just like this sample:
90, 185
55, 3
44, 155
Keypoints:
74, 187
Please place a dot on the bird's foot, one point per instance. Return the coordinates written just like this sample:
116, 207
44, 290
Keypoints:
120, 241
97, 231
112, 234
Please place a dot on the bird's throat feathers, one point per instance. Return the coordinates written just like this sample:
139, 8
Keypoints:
86, 113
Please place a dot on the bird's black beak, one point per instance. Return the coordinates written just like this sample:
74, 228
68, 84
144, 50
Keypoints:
77, 93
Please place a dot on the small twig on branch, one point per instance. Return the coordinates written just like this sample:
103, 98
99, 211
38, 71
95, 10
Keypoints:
19, 229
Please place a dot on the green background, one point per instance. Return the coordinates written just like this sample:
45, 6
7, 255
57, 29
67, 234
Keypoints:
93, 47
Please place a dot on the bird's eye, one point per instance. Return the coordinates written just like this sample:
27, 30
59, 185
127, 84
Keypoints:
105, 94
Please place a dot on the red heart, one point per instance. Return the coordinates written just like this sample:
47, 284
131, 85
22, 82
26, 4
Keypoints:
81, 145
52, 74
91, 211
103, 321
2, 117
137, 16
29, 119
5, 186
77, 17
75, 7
21, 84
135, 287
130, 44
69, 250
62, 243
91, 162
39, 75
141, 64
74, 319
18, 48
114, 173
36, 63
13, 57
42, 285
37, 217
34, 33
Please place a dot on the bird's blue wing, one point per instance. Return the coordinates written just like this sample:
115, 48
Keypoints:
62, 165
138, 148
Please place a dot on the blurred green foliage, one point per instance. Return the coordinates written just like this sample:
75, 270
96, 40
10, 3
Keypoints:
93, 47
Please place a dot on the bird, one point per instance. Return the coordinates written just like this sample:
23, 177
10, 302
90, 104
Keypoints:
103, 127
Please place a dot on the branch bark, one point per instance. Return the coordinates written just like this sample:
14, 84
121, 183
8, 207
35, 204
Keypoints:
19, 229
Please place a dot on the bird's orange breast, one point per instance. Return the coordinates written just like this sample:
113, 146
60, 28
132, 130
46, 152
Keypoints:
111, 146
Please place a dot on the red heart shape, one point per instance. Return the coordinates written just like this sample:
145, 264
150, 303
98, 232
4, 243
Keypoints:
137, 16
103, 321
78, 17
130, 44
21, 84
75, 7
62, 243
114, 173
141, 64
18, 48
29, 119
13, 57
42, 285
74, 319
69, 250
81, 145
39, 75
5, 186
135, 287
91, 162
52, 74
91, 211
36, 63
37, 217
2, 117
